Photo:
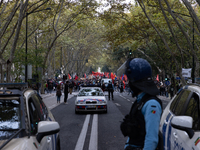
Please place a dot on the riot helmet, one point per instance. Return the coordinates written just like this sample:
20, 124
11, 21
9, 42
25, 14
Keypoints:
139, 73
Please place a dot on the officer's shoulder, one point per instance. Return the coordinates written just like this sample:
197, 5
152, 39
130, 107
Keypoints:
152, 101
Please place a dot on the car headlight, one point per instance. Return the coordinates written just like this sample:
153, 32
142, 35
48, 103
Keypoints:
79, 102
102, 102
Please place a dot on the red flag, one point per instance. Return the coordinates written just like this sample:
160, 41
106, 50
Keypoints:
69, 76
157, 78
76, 77
107, 74
112, 76
125, 78
121, 78
124, 84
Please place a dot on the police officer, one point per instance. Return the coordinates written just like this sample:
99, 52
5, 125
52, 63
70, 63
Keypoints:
110, 88
147, 109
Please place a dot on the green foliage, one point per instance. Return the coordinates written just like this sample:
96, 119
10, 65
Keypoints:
105, 68
104, 38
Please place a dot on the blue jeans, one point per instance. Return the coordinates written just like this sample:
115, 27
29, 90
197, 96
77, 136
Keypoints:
167, 94
58, 99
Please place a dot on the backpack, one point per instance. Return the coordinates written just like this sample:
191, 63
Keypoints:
109, 86
58, 93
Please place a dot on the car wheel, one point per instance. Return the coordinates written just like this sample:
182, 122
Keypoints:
106, 111
58, 143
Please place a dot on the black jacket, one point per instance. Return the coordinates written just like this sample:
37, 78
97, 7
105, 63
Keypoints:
66, 89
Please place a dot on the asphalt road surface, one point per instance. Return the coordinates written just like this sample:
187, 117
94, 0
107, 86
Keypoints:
92, 131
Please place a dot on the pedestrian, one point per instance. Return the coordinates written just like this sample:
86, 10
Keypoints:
171, 90
66, 92
166, 91
70, 87
121, 88
58, 93
46, 87
141, 125
103, 87
110, 88
50, 87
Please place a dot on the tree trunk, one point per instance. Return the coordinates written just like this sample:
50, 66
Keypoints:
157, 31
192, 13
13, 48
173, 35
1, 72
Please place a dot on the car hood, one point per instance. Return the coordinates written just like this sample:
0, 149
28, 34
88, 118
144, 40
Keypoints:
20, 144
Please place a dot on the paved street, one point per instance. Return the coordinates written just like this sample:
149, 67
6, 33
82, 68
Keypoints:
92, 131
52, 102
51, 99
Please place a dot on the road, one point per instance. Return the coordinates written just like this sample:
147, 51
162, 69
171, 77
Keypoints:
91, 131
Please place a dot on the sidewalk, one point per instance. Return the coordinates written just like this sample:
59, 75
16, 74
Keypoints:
51, 100
164, 98
46, 95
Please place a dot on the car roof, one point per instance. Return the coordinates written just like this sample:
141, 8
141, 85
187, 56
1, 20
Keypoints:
193, 87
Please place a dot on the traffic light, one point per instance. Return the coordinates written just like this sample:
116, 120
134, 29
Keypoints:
166, 78
130, 52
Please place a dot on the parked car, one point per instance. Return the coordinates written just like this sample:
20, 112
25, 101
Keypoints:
180, 121
90, 99
25, 121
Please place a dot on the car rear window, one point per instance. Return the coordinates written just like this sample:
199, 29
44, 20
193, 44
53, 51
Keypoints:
91, 92
10, 119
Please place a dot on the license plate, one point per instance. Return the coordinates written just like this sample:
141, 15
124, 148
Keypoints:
91, 106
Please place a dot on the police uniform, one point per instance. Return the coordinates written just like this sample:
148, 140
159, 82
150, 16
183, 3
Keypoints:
151, 111
145, 114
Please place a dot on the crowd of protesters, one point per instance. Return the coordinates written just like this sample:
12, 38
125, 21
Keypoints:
167, 88
75, 85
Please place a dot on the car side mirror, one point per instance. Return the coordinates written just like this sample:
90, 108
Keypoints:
46, 128
183, 123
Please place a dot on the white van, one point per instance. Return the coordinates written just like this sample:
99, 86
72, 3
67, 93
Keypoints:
106, 81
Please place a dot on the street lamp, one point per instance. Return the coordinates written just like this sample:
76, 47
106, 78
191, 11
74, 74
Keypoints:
28, 13
193, 65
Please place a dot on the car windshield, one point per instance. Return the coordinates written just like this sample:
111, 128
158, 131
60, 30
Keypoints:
91, 92
9, 116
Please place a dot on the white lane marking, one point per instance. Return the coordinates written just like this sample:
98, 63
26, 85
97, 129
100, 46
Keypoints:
122, 96
82, 136
125, 98
93, 145
117, 104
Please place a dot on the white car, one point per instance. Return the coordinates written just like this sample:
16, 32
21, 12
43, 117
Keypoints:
90, 99
180, 121
25, 121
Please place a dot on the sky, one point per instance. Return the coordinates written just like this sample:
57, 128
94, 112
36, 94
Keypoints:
106, 7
